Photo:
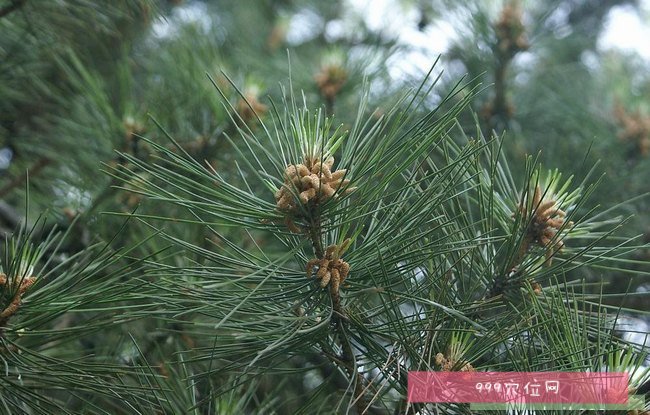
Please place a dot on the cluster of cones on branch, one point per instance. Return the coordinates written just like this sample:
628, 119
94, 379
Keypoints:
332, 269
249, 107
510, 31
313, 182
330, 80
510, 40
546, 221
448, 364
634, 129
17, 286
307, 185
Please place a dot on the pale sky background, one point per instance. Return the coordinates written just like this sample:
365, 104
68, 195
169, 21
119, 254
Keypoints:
625, 28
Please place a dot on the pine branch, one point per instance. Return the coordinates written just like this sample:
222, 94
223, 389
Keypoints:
347, 359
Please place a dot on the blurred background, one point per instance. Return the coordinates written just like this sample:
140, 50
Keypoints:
565, 80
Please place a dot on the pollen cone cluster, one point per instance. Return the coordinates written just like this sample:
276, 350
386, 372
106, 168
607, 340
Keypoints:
331, 269
448, 364
634, 128
330, 80
545, 223
313, 182
510, 31
20, 287
250, 107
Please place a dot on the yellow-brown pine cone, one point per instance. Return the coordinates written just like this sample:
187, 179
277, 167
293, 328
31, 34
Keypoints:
338, 184
440, 359
336, 280
305, 182
344, 269
327, 192
330, 80
307, 195
326, 279
337, 175
322, 169
322, 270
330, 250
285, 202
313, 181
467, 367
249, 107
545, 208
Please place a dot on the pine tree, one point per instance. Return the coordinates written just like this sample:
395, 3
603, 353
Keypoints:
232, 228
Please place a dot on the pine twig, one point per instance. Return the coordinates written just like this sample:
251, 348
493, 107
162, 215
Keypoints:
347, 360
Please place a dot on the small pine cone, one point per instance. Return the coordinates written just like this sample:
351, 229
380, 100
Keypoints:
467, 367
285, 202
555, 223
315, 181
440, 359
307, 195
330, 250
340, 183
327, 191
305, 181
322, 168
336, 280
290, 172
326, 279
321, 272
338, 175
545, 208
303, 170
344, 269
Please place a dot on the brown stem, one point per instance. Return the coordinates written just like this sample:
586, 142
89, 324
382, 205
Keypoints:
500, 280
315, 237
347, 360
500, 105
499, 113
